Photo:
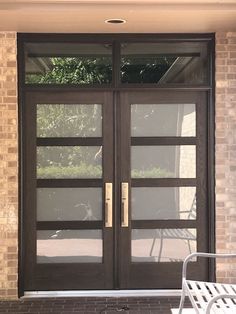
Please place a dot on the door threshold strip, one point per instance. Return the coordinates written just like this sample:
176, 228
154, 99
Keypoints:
102, 293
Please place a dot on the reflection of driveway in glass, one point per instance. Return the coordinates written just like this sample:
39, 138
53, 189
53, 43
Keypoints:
69, 250
165, 250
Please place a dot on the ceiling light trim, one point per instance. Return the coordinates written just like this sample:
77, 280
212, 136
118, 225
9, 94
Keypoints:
115, 21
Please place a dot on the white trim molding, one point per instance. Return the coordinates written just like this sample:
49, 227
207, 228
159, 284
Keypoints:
224, 2
102, 293
165, 4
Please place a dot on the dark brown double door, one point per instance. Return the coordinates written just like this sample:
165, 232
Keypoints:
115, 189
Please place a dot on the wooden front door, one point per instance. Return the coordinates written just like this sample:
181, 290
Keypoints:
115, 188
68, 177
164, 162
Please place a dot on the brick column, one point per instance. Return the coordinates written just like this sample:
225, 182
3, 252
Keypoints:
8, 167
226, 152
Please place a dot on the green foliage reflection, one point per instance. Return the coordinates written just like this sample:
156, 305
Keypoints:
77, 120
98, 70
58, 172
70, 70
144, 70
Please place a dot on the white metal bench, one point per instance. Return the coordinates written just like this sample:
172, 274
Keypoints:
208, 297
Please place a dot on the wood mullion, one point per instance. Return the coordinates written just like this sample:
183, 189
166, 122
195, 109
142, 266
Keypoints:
69, 183
46, 88
107, 164
125, 170
68, 225
164, 182
69, 141
29, 195
66, 97
136, 141
202, 178
151, 224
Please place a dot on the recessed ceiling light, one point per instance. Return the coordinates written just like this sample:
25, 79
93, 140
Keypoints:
115, 21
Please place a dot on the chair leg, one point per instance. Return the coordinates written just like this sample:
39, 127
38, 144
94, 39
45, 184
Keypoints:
161, 245
153, 244
181, 304
189, 247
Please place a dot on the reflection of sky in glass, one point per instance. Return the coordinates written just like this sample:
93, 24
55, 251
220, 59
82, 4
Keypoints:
163, 161
163, 120
163, 203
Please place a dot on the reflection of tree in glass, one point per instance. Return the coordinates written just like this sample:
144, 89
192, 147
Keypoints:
69, 120
157, 119
154, 172
75, 70
69, 162
98, 70
144, 69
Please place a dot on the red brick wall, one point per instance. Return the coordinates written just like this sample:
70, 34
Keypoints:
8, 167
226, 152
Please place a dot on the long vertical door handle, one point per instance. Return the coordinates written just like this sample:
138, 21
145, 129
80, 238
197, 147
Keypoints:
108, 205
124, 204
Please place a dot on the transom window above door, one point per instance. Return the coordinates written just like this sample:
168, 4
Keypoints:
117, 62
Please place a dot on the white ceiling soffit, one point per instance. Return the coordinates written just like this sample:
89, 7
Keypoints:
124, 1
142, 16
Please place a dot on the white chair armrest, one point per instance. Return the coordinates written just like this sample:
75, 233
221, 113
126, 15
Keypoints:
206, 255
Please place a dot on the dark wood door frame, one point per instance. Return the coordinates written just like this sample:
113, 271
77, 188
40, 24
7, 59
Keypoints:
82, 275
152, 274
116, 88
123, 274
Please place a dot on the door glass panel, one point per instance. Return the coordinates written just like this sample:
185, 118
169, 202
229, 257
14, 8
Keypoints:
66, 120
68, 63
163, 161
68, 204
156, 203
163, 120
164, 63
69, 162
159, 245
69, 246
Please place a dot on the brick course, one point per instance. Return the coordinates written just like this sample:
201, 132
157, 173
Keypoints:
226, 152
134, 305
8, 167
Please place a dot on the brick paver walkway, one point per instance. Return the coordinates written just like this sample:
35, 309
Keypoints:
147, 305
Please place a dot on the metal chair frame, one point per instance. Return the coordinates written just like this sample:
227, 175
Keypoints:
182, 234
208, 297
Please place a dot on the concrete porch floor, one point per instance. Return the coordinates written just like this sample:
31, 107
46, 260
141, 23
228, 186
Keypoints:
89, 305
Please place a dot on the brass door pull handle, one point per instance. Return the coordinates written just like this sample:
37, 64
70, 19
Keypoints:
108, 205
124, 204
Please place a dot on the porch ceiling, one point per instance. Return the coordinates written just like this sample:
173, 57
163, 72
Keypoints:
88, 16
